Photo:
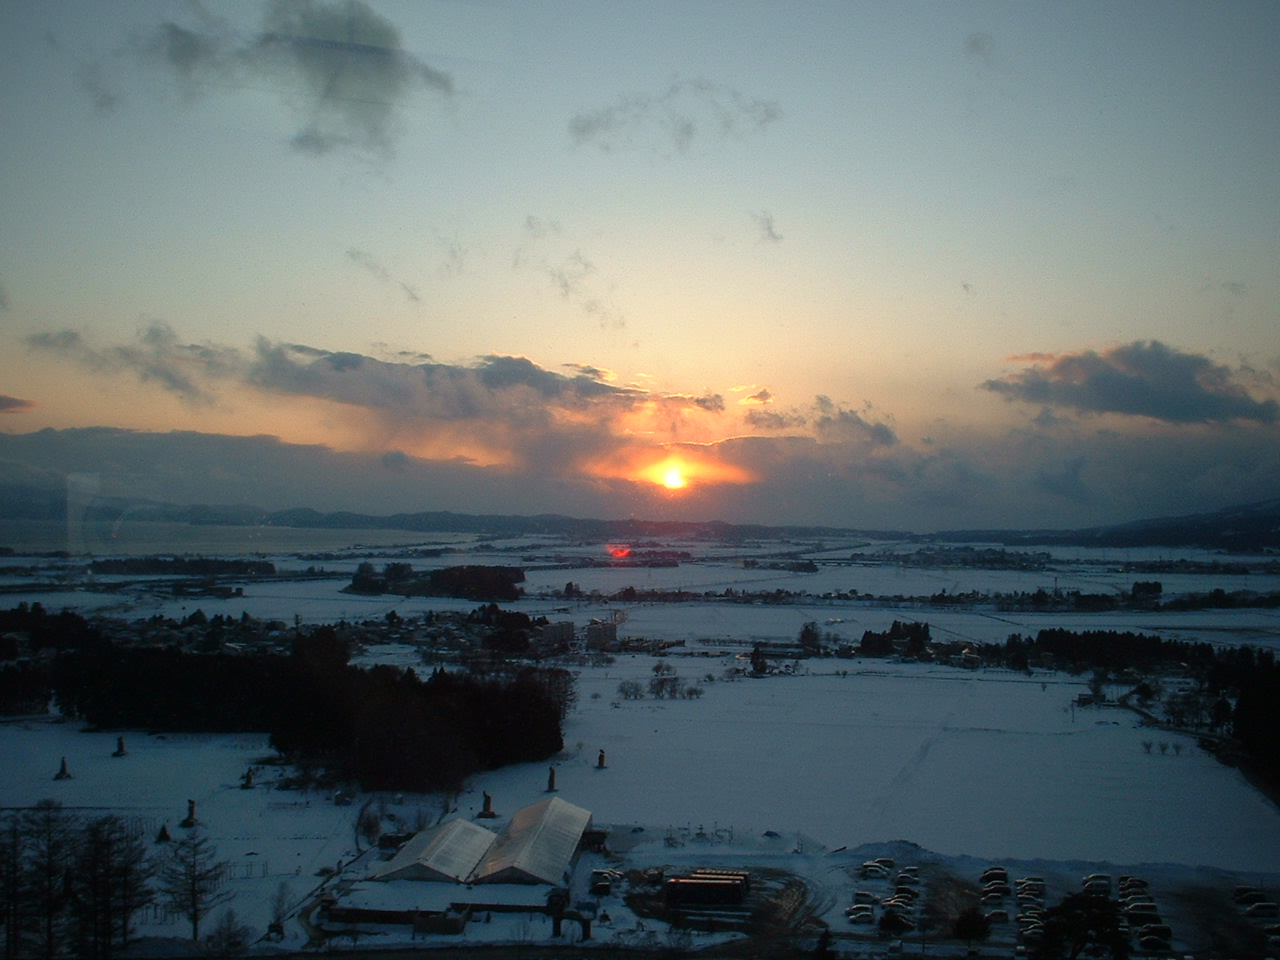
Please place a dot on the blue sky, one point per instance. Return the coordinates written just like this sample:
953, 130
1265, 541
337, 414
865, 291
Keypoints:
920, 265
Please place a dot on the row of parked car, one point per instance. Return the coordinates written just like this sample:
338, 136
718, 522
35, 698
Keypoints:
1140, 920
1256, 905
898, 902
1024, 894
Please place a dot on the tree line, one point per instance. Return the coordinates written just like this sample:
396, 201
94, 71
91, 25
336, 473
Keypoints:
383, 727
73, 886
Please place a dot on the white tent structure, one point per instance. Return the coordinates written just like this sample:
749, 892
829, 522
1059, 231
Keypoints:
448, 852
537, 846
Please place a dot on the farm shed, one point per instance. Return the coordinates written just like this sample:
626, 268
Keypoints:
448, 852
538, 845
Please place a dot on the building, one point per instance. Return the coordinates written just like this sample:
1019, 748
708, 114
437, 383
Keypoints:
539, 845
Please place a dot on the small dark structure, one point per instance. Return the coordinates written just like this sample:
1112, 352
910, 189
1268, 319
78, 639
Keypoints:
551, 780
707, 888
64, 773
487, 813
191, 820
163, 836
120, 751
600, 761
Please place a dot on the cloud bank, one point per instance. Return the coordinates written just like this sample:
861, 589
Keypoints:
1143, 379
502, 433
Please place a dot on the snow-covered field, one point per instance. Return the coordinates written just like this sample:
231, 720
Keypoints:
972, 766
989, 765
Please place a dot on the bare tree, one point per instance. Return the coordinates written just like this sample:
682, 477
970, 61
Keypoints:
114, 852
46, 875
191, 879
229, 937
14, 905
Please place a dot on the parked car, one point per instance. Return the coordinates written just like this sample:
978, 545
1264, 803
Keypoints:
1155, 930
1153, 944
1242, 890
861, 913
1250, 897
997, 916
864, 897
995, 873
1266, 908
995, 886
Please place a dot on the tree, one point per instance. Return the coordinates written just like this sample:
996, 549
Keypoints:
810, 638
1083, 922
229, 937
13, 904
112, 883
971, 925
46, 875
191, 879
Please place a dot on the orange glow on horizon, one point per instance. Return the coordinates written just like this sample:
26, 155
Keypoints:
675, 473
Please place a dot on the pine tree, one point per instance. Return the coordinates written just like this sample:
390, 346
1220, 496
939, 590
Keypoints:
191, 879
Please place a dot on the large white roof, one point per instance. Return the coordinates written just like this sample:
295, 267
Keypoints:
449, 851
537, 846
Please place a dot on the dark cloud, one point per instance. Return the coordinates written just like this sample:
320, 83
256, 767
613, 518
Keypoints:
1144, 378
591, 371
340, 65
980, 44
686, 110
14, 405
768, 232
774, 420
155, 356
1065, 480
395, 460
824, 420
833, 424
91, 78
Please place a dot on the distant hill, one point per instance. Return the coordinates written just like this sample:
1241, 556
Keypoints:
1250, 528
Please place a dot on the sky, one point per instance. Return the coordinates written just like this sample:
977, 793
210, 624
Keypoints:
917, 266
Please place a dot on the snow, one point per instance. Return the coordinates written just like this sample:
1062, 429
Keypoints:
844, 758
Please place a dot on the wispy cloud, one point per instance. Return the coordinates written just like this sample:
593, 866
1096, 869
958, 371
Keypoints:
340, 66
686, 111
364, 259
824, 420
155, 356
546, 250
14, 405
1144, 379
764, 222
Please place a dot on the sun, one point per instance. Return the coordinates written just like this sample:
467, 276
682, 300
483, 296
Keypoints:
673, 478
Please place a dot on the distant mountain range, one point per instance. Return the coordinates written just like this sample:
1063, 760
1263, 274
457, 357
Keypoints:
1249, 528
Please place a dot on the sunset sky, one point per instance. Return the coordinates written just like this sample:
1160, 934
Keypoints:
918, 265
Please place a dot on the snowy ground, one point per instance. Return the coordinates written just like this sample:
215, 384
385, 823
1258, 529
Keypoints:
972, 767
989, 766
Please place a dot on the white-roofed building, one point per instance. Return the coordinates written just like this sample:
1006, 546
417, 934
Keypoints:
448, 852
537, 846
